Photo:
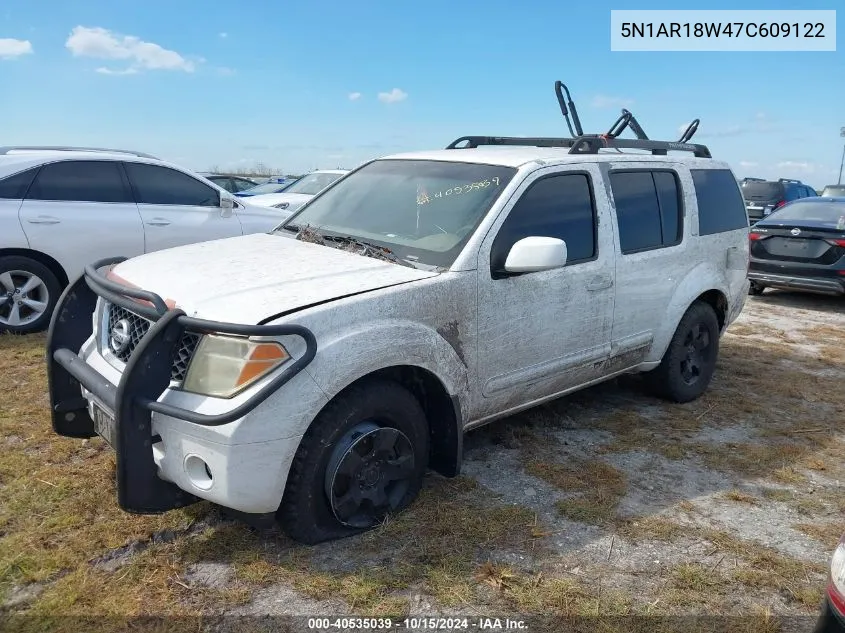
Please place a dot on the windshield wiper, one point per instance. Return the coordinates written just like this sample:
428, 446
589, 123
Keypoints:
290, 227
361, 247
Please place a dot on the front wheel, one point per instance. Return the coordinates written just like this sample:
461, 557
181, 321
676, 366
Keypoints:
688, 365
363, 458
29, 292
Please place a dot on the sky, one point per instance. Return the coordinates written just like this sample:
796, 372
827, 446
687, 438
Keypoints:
305, 85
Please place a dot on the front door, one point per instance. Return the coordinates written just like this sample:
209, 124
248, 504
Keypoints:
542, 333
177, 208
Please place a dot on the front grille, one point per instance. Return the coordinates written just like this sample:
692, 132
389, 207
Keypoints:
132, 329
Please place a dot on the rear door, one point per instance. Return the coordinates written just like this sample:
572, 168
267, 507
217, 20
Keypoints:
79, 211
177, 208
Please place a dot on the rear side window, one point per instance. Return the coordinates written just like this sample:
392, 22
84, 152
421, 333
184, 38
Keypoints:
555, 206
15, 187
80, 181
648, 209
155, 184
720, 204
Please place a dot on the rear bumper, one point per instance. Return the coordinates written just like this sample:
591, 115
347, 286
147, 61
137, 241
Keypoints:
825, 285
829, 621
150, 479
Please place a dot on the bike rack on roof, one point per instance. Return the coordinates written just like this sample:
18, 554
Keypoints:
580, 143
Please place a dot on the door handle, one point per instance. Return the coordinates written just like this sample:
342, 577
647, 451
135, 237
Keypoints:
600, 282
159, 222
44, 219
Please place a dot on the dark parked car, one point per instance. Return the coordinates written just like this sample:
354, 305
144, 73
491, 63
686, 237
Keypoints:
762, 197
832, 619
834, 191
800, 246
232, 184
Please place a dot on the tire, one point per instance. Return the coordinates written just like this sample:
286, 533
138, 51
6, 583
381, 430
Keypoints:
24, 284
314, 506
756, 289
673, 379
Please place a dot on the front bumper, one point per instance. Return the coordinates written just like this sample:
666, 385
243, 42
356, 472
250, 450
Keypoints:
132, 401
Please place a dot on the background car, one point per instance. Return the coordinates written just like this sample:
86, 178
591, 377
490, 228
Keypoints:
832, 618
800, 246
232, 184
833, 191
265, 188
300, 192
63, 208
762, 197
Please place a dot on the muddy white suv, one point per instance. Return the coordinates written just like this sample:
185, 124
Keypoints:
317, 372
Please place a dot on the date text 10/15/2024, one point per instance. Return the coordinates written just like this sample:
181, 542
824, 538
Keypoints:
417, 624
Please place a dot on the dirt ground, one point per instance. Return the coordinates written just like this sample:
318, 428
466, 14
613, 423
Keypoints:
606, 503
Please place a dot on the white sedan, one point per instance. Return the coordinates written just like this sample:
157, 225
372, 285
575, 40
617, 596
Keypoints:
300, 192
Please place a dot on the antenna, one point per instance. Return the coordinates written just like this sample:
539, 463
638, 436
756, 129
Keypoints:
560, 87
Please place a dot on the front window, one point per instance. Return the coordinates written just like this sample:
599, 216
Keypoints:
423, 211
312, 184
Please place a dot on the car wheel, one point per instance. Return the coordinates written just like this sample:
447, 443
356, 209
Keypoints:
755, 289
28, 294
688, 365
362, 458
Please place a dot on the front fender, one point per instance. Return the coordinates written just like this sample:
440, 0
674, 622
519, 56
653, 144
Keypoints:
358, 352
703, 278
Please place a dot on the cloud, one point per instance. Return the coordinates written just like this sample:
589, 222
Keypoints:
354, 96
748, 164
394, 96
100, 43
12, 48
223, 35
108, 71
808, 168
226, 71
603, 101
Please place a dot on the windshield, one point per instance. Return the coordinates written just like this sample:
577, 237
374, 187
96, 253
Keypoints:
762, 190
423, 211
821, 212
267, 187
833, 191
312, 184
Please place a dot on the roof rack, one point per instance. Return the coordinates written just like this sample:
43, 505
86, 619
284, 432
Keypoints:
749, 179
580, 143
789, 180
68, 148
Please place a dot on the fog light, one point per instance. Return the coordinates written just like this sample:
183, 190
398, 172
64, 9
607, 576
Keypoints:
198, 472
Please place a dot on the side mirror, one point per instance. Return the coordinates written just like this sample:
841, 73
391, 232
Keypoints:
532, 254
226, 206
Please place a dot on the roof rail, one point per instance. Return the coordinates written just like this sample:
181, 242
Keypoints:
789, 180
584, 144
749, 179
68, 148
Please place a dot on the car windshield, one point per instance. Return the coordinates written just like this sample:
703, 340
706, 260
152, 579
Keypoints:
267, 187
833, 191
761, 190
312, 184
424, 211
822, 212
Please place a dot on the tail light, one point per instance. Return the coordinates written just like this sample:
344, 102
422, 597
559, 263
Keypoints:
838, 242
780, 204
755, 236
836, 580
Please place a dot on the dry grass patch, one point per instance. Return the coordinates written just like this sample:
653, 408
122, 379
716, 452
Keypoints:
599, 487
740, 497
827, 533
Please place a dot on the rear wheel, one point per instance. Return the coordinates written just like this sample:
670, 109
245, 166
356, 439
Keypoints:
688, 365
755, 289
362, 459
28, 294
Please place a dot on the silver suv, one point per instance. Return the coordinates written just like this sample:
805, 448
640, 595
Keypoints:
335, 359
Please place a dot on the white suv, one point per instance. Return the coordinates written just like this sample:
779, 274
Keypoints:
335, 359
61, 208
296, 195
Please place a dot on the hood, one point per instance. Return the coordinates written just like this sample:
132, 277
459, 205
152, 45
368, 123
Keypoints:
253, 277
295, 200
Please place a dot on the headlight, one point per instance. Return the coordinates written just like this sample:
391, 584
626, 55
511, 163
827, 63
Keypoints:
225, 365
281, 205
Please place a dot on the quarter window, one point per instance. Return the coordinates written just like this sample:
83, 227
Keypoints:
559, 206
155, 184
720, 204
80, 181
649, 211
15, 187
